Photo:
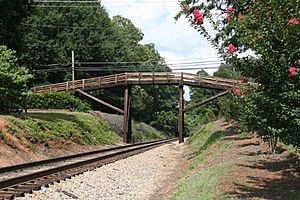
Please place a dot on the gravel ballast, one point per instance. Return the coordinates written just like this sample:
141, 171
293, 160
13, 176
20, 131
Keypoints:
138, 177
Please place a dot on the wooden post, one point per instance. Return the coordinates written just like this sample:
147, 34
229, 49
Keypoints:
73, 67
181, 115
127, 130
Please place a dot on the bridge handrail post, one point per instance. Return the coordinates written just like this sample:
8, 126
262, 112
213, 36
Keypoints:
199, 77
168, 77
153, 77
140, 78
116, 79
181, 81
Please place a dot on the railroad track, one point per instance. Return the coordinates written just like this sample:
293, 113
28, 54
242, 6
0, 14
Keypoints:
17, 180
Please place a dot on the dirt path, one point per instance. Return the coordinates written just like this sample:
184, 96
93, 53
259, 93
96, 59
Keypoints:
255, 173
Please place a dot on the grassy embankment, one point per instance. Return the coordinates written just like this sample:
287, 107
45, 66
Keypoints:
205, 178
143, 132
41, 127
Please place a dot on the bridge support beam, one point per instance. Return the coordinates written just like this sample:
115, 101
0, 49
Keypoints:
190, 108
100, 101
127, 126
181, 115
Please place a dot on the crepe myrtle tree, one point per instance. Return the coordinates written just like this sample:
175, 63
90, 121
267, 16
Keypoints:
269, 31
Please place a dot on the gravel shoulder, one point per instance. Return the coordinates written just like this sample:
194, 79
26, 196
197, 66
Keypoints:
149, 175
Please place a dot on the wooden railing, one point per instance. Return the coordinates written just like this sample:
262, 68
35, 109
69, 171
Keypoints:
140, 78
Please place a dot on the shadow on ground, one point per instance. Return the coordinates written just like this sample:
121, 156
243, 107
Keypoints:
282, 184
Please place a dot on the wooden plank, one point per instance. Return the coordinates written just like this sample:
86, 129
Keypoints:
100, 101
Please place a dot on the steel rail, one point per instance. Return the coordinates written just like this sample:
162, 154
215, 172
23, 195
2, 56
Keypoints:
8, 186
63, 158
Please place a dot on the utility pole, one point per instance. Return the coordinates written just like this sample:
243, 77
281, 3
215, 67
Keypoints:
73, 67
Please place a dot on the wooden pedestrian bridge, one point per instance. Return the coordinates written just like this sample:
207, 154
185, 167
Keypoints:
129, 79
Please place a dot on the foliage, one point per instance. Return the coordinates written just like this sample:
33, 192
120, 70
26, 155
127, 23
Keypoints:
12, 12
56, 100
12, 81
270, 30
142, 132
2, 135
49, 36
167, 122
46, 126
226, 106
228, 71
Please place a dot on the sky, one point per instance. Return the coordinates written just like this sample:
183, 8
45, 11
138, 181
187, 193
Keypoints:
176, 41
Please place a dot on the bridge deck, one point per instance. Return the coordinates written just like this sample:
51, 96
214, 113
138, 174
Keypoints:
140, 78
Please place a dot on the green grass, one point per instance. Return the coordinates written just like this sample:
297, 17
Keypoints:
143, 132
245, 135
2, 135
78, 127
204, 184
204, 138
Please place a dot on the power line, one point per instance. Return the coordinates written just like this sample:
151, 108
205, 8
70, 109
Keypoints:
122, 69
179, 64
57, 26
57, 6
99, 1
39, 1
148, 61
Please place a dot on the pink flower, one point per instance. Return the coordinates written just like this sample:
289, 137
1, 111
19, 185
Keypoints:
231, 48
299, 62
228, 17
292, 73
243, 79
293, 70
241, 17
260, 37
200, 20
230, 10
293, 21
196, 13
245, 93
236, 91
198, 17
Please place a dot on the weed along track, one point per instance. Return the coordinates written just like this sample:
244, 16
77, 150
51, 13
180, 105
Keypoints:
17, 180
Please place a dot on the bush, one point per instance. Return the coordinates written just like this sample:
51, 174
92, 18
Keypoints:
56, 100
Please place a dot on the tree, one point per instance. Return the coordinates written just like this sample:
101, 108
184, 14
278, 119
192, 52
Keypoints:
12, 12
270, 29
108, 45
12, 81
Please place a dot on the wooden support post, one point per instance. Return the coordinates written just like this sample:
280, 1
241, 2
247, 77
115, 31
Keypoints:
73, 68
181, 115
127, 130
